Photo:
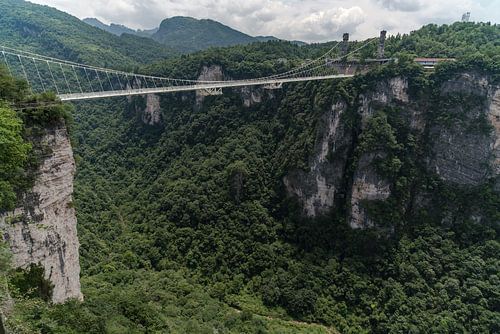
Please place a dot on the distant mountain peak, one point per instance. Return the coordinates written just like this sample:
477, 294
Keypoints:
186, 34
118, 29
189, 34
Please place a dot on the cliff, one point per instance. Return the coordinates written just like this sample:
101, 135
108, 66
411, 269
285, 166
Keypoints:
454, 128
42, 229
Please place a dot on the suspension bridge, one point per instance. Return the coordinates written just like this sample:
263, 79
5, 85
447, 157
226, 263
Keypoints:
73, 81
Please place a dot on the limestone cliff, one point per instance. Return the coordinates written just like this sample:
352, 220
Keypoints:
463, 151
151, 114
42, 229
318, 188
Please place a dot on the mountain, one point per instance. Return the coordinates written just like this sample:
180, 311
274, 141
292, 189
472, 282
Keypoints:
266, 38
119, 29
46, 30
115, 29
188, 34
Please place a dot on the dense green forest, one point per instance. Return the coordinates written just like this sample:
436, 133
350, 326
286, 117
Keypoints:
185, 226
45, 30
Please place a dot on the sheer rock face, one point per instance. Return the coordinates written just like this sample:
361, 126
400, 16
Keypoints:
208, 73
456, 153
367, 184
251, 96
318, 188
461, 153
42, 230
494, 118
152, 113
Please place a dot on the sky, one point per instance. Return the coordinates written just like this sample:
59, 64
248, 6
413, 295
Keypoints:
305, 20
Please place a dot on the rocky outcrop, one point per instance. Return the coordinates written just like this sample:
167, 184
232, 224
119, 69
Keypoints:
317, 188
251, 96
494, 118
367, 184
464, 152
392, 91
208, 73
42, 229
151, 114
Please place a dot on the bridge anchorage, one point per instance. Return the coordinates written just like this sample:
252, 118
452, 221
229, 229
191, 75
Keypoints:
74, 81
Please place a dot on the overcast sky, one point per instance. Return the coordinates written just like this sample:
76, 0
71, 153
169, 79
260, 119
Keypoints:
307, 20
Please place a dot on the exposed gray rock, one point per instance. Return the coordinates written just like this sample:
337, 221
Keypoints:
394, 90
317, 188
210, 73
42, 230
459, 154
367, 186
152, 113
494, 118
251, 96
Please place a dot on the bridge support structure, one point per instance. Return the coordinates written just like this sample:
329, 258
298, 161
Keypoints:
274, 85
210, 91
345, 45
381, 45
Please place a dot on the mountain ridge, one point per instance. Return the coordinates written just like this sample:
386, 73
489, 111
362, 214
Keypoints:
38, 28
187, 34
118, 29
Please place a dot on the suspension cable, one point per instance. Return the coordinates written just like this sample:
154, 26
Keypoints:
39, 76
6, 63
53, 79
66, 80
77, 80
25, 75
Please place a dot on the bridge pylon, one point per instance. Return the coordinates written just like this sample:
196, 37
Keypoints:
381, 45
345, 45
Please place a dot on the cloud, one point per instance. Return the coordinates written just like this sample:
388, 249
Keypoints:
308, 20
402, 5
320, 25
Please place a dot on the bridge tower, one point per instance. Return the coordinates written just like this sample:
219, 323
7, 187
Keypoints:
345, 45
381, 45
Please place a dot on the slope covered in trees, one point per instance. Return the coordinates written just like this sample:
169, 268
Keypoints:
46, 30
188, 34
185, 222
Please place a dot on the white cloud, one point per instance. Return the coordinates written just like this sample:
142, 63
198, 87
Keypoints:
402, 5
309, 20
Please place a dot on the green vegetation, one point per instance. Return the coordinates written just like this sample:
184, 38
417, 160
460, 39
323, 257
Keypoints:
54, 33
185, 226
13, 148
458, 40
188, 34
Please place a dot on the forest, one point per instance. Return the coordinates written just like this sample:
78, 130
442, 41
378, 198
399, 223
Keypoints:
185, 226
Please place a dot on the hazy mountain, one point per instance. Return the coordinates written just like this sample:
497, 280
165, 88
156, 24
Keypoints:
189, 34
119, 29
